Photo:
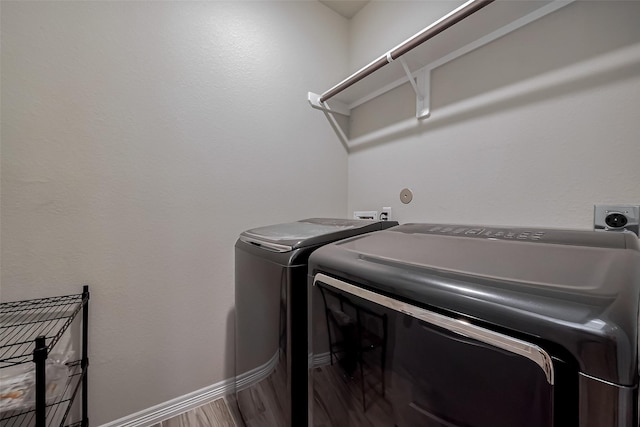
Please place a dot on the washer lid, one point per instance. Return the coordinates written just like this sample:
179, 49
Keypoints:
309, 232
577, 289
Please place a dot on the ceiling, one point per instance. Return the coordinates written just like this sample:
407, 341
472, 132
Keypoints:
346, 8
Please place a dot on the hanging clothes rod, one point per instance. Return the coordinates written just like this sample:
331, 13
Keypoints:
432, 30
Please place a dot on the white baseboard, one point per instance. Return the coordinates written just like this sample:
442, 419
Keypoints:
179, 405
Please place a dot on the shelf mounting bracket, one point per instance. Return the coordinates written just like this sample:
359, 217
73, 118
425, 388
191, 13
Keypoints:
423, 102
421, 85
328, 106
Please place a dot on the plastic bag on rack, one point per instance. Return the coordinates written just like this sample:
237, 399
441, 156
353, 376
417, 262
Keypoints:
17, 383
56, 375
63, 350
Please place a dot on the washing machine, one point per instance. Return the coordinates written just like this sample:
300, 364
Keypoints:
458, 325
271, 315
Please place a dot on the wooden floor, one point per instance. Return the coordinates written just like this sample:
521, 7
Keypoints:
265, 403
338, 403
218, 413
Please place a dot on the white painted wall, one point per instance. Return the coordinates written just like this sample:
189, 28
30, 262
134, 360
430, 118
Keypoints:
382, 25
532, 129
138, 140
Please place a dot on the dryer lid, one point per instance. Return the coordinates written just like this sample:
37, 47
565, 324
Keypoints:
309, 232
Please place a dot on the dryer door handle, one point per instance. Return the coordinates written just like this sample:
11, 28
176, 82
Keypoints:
458, 326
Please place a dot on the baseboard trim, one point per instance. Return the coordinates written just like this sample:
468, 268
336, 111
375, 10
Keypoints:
258, 374
179, 405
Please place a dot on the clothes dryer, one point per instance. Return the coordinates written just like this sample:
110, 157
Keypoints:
453, 325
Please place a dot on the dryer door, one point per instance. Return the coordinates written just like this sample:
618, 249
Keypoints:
406, 366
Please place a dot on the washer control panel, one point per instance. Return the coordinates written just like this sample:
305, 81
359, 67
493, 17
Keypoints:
623, 240
487, 232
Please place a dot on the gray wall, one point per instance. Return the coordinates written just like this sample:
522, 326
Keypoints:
533, 129
138, 140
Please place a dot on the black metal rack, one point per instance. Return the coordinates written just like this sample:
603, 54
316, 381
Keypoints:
29, 330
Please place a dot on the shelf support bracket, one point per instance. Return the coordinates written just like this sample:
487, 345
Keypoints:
421, 85
329, 111
328, 106
423, 103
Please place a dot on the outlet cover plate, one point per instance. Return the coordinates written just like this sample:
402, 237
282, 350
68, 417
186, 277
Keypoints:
616, 218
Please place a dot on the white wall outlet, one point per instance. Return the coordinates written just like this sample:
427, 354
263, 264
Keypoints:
616, 218
372, 215
385, 214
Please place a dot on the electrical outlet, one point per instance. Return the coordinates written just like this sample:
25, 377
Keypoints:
616, 218
385, 213
372, 215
